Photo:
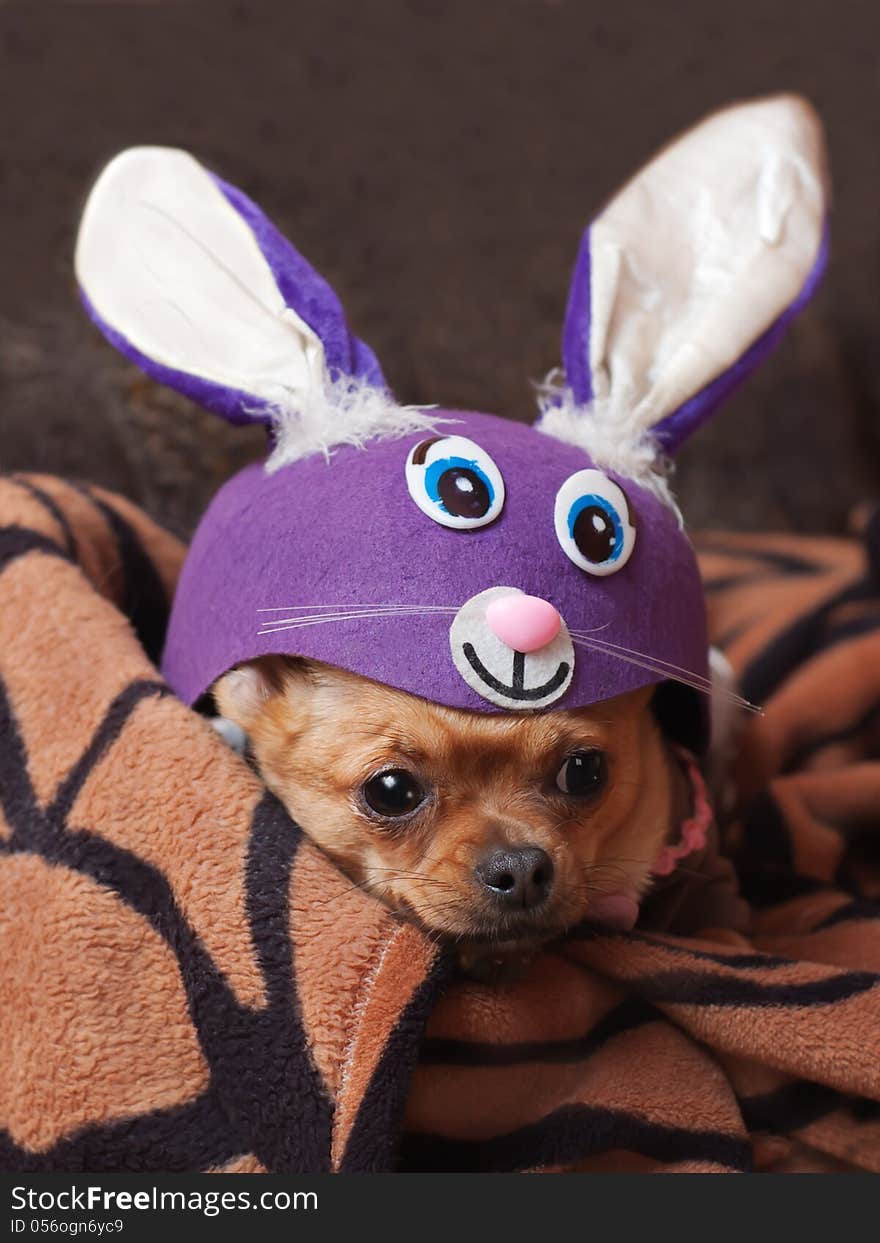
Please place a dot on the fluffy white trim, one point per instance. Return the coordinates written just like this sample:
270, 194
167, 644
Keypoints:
344, 412
636, 456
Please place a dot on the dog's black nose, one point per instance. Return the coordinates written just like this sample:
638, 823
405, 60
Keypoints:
517, 878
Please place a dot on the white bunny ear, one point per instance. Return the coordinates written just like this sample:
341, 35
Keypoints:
691, 273
185, 275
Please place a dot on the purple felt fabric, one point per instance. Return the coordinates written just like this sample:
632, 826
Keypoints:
576, 328
307, 293
675, 428
347, 532
302, 289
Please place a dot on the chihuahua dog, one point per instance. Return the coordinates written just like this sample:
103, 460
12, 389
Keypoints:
544, 564
497, 832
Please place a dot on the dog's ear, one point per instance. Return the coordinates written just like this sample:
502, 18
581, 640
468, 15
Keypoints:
241, 694
188, 278
691, 273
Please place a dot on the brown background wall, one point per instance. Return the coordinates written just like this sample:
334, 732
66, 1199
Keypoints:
437, 162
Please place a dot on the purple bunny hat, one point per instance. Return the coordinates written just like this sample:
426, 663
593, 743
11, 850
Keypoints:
479, 563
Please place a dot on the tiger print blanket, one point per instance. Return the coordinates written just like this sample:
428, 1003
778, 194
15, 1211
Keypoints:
187, 984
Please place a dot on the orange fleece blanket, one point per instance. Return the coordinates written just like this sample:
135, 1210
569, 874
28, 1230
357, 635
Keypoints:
188, 984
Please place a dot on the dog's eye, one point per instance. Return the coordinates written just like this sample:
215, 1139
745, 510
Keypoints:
593, 522
455, 482
394, 792
582, 773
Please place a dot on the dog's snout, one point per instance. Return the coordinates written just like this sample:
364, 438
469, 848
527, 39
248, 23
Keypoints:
520, 877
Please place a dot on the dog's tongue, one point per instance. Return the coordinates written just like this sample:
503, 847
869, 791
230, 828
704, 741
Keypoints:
616, 911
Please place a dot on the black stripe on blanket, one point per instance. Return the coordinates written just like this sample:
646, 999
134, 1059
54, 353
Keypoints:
289, 1128
765, 861
290, 1125
186, 1140
52, 508
735, 960
697, 988
800, 1104
868, 722
767, 562
373, 1137
796, 645
108, 731
144, 602
17, 542
17, 798
849, 912
626, 1017
572, 1134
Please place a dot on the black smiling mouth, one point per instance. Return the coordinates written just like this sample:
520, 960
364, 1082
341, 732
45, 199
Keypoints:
517, 690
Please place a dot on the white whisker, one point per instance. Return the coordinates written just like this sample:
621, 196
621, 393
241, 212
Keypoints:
582, 634
297, 623
294, 608
695, 681
649, 662
351, 612
674, 673
278, 621
299, 616
631, 651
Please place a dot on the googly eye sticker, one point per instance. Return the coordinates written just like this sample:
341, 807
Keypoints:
593, 523
455, 482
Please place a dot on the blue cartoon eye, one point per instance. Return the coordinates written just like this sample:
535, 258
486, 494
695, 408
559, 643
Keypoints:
455, 482
593, 523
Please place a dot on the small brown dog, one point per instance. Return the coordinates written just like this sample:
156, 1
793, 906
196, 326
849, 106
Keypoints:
496, 831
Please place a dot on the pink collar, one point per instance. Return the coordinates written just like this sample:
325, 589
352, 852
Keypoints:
620, 910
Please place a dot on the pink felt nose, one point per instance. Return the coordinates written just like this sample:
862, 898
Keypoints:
524, 623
